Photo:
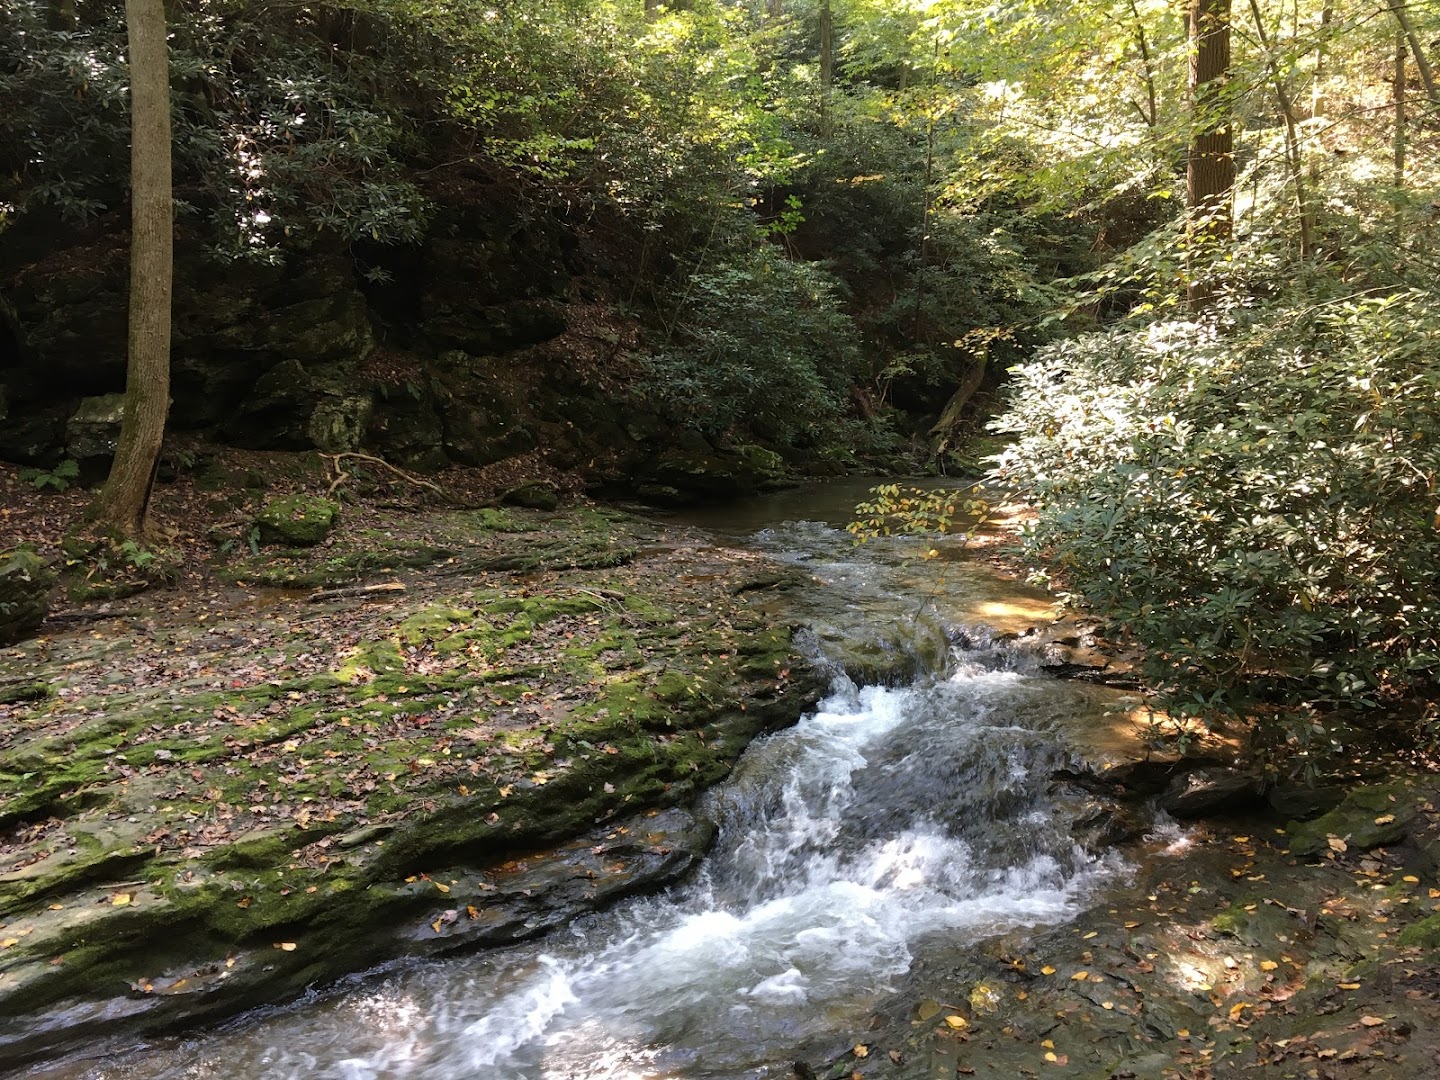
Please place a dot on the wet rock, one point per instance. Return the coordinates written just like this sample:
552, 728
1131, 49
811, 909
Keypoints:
25, 584
1300, 802
1207, 791
1369, 817
535, 495
296, 520
93, 430
891, 656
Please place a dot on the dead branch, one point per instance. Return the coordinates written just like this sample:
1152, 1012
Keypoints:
341, 474
356, 590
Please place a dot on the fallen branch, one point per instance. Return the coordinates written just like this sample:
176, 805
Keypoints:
341, 474
356, 590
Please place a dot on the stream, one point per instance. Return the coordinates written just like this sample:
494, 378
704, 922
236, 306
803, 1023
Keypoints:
893, 821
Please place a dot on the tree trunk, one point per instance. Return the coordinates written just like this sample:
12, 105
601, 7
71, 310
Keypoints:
124, 501
774, 8
1151, 113
827, 65
1397, 90
1294, 153
1422, 62
1210, 166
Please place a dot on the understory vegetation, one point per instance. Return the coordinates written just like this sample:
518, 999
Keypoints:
823, 234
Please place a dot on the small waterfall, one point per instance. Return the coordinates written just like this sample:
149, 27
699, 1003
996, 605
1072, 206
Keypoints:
893, 816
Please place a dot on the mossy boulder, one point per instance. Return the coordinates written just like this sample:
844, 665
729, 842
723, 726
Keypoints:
25, 584
1369, 817
533, 495
297, 520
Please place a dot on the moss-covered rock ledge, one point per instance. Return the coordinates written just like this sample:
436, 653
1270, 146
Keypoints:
223, 799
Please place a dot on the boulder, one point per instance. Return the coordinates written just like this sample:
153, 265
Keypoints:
533, 495
93, 430
296, 520
1207, 791
25, 584
1369, 817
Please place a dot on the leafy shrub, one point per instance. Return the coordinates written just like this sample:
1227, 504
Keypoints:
762, 347
1256, 503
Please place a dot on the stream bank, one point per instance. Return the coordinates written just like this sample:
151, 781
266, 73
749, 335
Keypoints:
225, 797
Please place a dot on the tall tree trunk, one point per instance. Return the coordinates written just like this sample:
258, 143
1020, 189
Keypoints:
774, 8
1397, 90
827, 66
1210, 165
1294, 156
1151, 113
1422, 62
124, 501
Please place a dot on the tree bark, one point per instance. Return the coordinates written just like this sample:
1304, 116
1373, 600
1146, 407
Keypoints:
124, 502
1422, 62
1210, 166
1294, 154
827, 65
1151, 114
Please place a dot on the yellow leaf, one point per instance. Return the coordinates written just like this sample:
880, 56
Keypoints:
505, 791
861, 1050
1092, 933
1350, 986
1410, 879
1107, 1005
1371, 1021
1336, 844
1183, 1033
285, 946
1384, 819
120, 899
1238, 1008
957, 1022
1131, 925
1048, 1044
472, 911
442, 888
1268, 965
1050, 1056
1080, 976
1047, 970
9, 942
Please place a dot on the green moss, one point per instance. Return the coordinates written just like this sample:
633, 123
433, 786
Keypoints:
1424, 934
296, 520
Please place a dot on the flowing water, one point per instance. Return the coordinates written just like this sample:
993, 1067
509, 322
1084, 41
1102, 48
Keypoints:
892, 819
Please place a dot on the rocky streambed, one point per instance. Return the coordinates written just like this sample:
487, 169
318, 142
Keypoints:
953, 865
213, 801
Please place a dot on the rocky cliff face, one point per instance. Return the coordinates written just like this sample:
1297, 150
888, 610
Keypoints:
497, 336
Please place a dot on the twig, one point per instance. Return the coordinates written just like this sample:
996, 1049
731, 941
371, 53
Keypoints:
370, 459
355, 590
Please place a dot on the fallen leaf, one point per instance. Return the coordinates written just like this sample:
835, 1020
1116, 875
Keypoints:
285, 946
442, 888
861, 1050
957, 1022
120, 899
1371, 1021
1268, 965
1047, 970
1080, 976
1384, 819
1350, 986
1336, 844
